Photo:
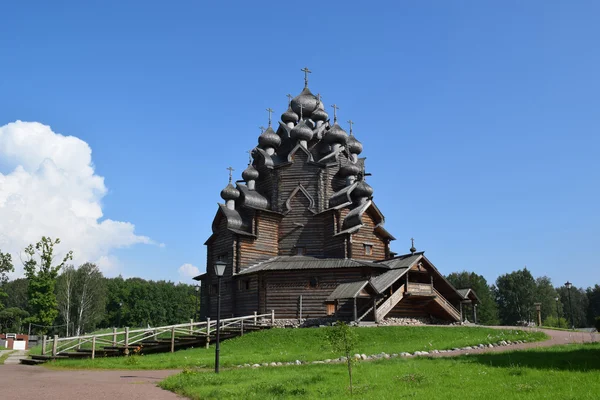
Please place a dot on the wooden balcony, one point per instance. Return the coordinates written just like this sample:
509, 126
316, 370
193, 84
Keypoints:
420, 289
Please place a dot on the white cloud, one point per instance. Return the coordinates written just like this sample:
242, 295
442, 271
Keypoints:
187, 272
50, 189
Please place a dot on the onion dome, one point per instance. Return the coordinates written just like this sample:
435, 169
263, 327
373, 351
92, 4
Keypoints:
353, 145
307, 100
250, 173
348, 170
289, 116
319, 115
362, 189
301, 132
230, 192
336, 135
269, 139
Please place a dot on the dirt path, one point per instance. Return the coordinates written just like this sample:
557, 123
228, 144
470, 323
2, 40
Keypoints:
33, 382
556, 338
29, 382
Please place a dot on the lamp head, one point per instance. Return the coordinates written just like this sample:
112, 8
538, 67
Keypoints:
568, 285
220, 268
197, 288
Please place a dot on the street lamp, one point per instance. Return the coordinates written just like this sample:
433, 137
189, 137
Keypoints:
120, 307
569, 285
219, 271
557, 313
197, 289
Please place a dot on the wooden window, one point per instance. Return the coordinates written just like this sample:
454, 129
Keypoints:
300, 251
213, 289
313, 282
368, 249
222, 257
330, 309
243, 284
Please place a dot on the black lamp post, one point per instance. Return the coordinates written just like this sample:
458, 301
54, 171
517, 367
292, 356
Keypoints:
197, 289
120, 310
557, 313
568, 286
219, 272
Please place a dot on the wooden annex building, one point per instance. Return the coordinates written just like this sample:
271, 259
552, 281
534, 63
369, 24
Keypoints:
301, 234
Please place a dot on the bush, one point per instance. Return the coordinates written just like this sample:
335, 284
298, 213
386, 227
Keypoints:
597, 324
556, 322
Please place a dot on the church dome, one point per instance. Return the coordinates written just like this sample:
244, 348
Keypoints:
307, 100
289, 116
348, 170
336, 135
230, 192
301, 132
319, 115
353, 145
269, 139
250, 173
363, 189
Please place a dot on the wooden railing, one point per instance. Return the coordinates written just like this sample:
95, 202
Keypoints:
420, 288
441, 300
130, 337
391, 301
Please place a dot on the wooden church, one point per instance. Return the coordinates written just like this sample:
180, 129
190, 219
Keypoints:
302, 235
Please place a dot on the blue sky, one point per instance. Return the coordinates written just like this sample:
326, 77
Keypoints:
479, 119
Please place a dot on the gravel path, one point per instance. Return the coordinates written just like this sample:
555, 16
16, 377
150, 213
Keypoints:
34, 382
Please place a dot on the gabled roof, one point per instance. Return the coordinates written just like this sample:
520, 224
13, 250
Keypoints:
385, 280
468, 294
349, 290
306, 262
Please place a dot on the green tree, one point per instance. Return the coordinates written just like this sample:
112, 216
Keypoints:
6, 266
343, 339
546, 295
11, 320
16, 293
593, 311
487, 310
515, 295
578, 304
42, 275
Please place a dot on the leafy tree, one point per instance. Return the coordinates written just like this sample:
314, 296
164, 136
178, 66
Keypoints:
342, 338
89, 296
487, 311
65, 287
11, 319
6, 266
546, 295
515, 295
42, 275
16, 293
593, 312
578, 304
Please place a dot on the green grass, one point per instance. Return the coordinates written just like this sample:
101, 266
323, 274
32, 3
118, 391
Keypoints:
562, 372
4, 356
281, 345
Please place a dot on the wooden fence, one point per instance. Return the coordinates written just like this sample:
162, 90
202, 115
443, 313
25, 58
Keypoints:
131, 338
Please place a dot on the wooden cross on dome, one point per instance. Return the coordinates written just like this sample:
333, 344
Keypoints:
262, 129
249, 156
290, 97
301, 107
306, 72
335, 108
350, 122
230, 169
270, 110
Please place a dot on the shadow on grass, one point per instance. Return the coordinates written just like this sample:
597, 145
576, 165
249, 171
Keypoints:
582, 358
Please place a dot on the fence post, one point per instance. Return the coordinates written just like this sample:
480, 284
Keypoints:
207, 332
300, 309
126, 341
54, 345
255, 313
242, 328
93, 347
115, 337
44, 345
191, 326
78, 343
272, 317
172, 339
